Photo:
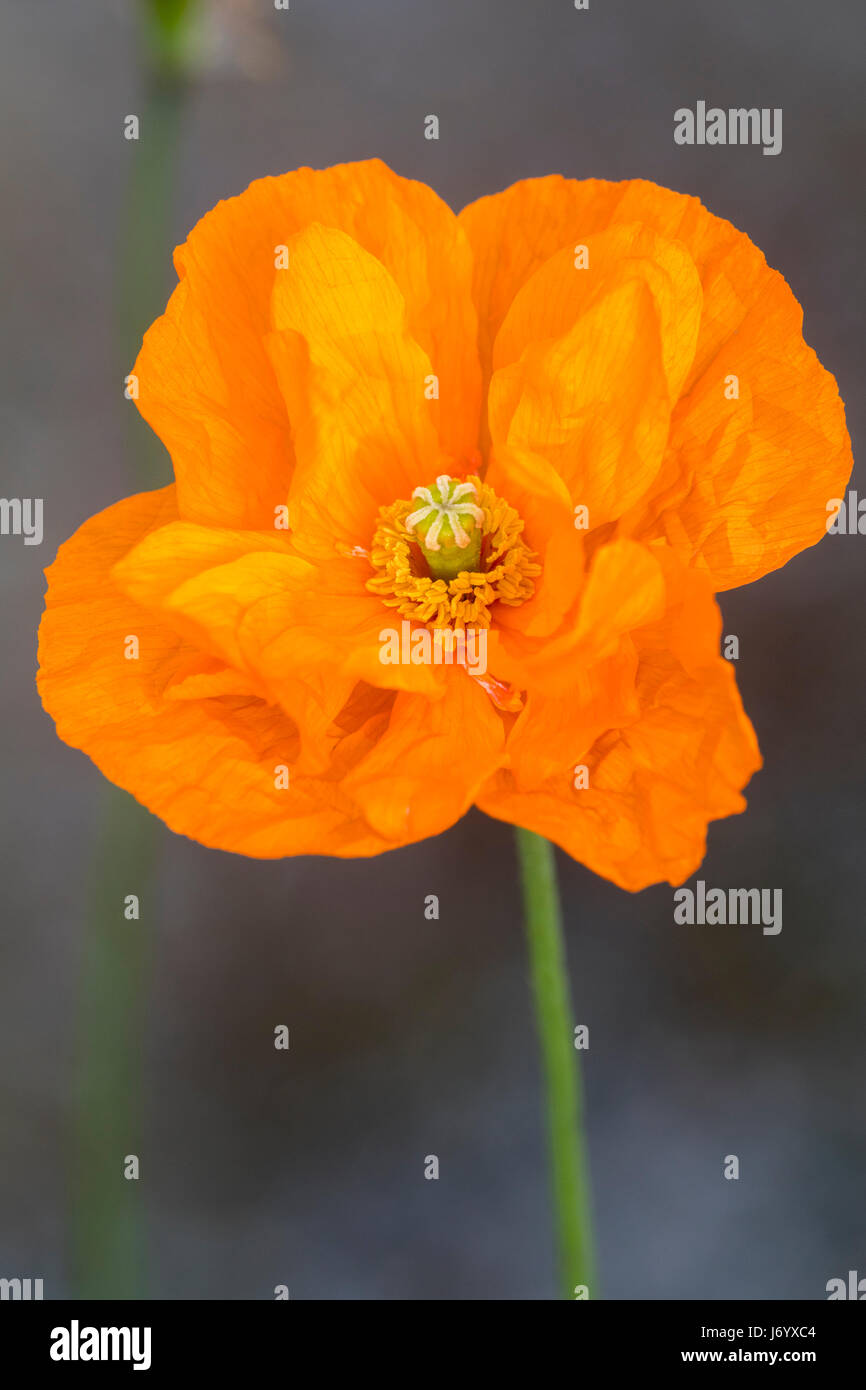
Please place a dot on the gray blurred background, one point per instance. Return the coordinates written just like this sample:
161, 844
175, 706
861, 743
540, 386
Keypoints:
411, 1037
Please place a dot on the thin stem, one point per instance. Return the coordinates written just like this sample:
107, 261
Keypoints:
569, 1168
107, 1245
144, 267
107, 1256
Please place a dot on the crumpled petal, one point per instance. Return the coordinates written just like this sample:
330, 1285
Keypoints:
354, 383
624, 591
744, 483
657, 775
207, 766
550, 302
325, 351
593, 403
301, 635
206, 383
747, 476
540, 497
514, 232
427, 767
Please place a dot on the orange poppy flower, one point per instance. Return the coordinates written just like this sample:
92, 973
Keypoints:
555, 424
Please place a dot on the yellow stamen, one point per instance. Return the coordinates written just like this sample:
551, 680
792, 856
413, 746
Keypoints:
473, 523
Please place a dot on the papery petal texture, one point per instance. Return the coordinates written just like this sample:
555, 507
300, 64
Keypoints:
620, 379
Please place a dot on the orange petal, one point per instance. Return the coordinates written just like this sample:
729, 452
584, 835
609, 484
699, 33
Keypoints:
593, 402
655, 780
300, 635
325, 628
553, 212
207, 389
624, 592
534, 488
424, 772
354, 382
207, 766
556, 732
747, 478
170, 557
206, 383
551, 301
203, 677
744, 485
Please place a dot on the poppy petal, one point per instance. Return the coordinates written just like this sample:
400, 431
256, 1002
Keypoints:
757, 449
594, 402
654, 780
205, 379
424, 772
212, 768
745, 483
354, 385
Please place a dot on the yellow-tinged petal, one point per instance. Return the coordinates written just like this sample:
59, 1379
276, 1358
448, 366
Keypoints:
757, 448
741, 489
514, 232
594, 402
551, 301
655, 780
644, 367
300, 634
425, 770
540, 497
354, 382
210, 767
624, 592
205, 380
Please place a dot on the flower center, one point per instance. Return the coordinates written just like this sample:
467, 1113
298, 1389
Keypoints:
448, 528
445, 556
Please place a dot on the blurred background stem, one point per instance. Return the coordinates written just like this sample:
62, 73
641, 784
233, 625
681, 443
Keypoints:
106, 1228
144, 264
563, 1099
108, 1256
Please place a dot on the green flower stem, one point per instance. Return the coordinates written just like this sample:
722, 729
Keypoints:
569, 1168
107, 1244
144, 265
106, 1227
169, 29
